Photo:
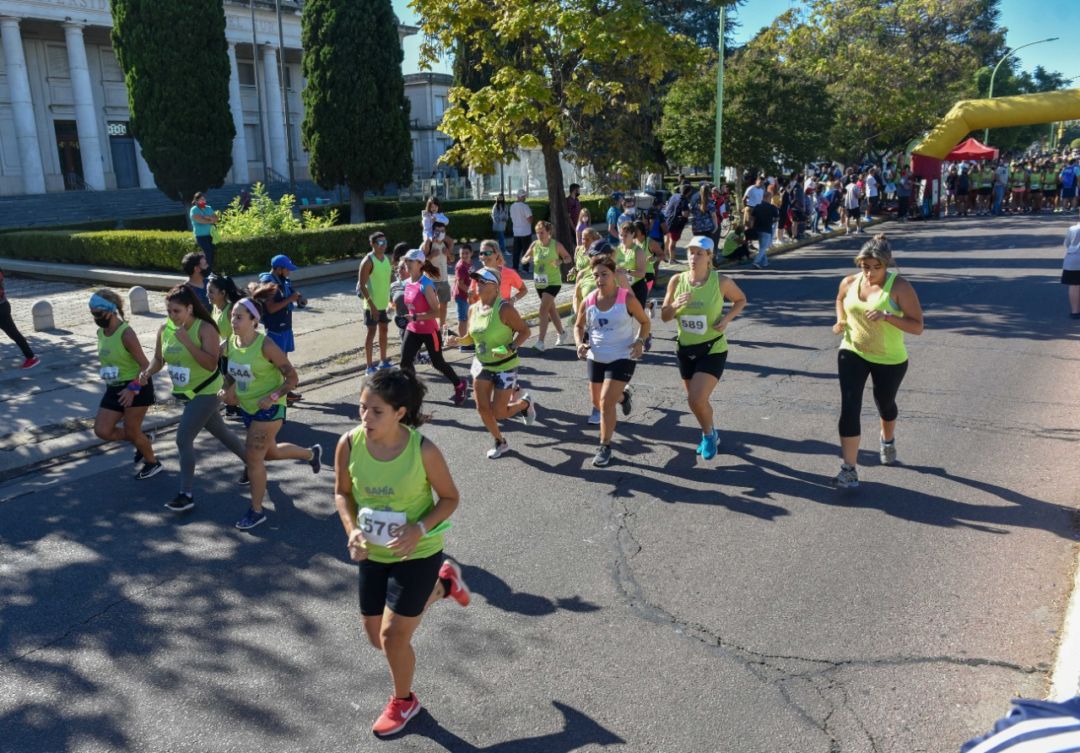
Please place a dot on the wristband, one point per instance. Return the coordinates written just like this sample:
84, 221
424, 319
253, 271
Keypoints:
134, 386
423, 528
275, 396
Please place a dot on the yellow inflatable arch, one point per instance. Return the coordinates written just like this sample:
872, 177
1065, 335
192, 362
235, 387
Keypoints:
975, 114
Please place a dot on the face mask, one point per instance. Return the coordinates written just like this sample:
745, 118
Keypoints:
102, 320
439, 236
202, 204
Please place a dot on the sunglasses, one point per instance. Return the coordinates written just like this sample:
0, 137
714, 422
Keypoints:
380, 241
487, 253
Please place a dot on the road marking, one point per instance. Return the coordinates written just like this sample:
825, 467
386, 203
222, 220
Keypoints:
1065, 682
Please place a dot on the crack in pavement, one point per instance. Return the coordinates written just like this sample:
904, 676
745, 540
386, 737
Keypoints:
784, 672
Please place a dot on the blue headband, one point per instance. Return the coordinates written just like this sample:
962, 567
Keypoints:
97, 302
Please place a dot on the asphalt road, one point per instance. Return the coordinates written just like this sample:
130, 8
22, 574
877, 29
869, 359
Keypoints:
662, 604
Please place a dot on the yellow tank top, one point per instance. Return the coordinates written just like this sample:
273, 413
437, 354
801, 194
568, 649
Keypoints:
876, 341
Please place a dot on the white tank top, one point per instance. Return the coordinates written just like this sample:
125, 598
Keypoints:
612, 332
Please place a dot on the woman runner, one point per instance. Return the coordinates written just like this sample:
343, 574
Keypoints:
422, 328
547, 253
188, 346
497, 330
874, 308
608, 315
696, 298
258, 378
122, 358
631, 256
384, 474
223, 294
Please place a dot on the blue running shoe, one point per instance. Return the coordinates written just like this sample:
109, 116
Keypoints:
708, 445
251, 519
594, 417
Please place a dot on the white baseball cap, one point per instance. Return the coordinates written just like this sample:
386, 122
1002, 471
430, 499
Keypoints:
414, 254
701, 241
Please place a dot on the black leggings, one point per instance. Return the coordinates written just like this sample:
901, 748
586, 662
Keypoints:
853, 370
640, 289
8, 325
411, 346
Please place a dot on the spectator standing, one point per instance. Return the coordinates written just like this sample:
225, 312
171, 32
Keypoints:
7, 324
500, 215
1070, 273
764, 215
197, 268
613, 213
852, 205
521, 219
676, 215
203, 218
584, 223
903, 195
1068, 177
873, 193
752, 197
1001, 182
278, 318
573, 203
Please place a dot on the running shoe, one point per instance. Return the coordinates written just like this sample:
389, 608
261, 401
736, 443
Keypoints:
627, 402
594, 417
243, 480
501, 448
888, 452
181, 503
386, 364
701, 444
459, 592
370, 370
138, 453
847, 478
559, 339
396, 715
423, 358
30, 362
461, 392
529, 415
602, 456
149, 470
652, 309
251, 519
316, 458
292, 397
539, 345
708, 445
466, 349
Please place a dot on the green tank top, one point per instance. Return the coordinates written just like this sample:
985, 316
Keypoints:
546, 270
877, 342
254, 375
118, 366
650, 263
697, 317
379, 281
581, 260
399, 485
184, 370
223, 319
587, 282
1049, 181
1035, 182
491, 336
627, 259
1017, 178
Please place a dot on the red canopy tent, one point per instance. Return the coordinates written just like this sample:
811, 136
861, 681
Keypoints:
971, 149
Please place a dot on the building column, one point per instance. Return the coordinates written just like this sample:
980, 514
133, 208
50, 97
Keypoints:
236, 105
146, 176
33, 173
86, 119
275, 113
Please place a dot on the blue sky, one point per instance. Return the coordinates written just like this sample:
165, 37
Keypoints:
1050, 18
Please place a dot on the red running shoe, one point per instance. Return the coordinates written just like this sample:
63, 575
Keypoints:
459, 592
396, 715
31, 362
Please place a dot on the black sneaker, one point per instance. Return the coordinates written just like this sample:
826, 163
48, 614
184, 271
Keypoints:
243, 480
149, 470
181, 503
292, 397
627, 403
603, 456
316, 458
138, 453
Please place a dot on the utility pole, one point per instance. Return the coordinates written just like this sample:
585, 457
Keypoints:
258, 94
285, 96
718, 170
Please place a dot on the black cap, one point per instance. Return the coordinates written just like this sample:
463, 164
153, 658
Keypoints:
600, 247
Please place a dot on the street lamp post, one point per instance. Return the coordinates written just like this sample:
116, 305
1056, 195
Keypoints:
718, 170
1009, 54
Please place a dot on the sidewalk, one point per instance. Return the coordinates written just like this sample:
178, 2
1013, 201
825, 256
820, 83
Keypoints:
50, 409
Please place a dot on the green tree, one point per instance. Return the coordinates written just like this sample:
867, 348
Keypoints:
892, 68
775, 117
356, 115
178, 94
544, 56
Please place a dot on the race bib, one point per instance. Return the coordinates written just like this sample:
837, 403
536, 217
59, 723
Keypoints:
541, 280
241, 374
180, 375
110, 373
695, 325
379, 527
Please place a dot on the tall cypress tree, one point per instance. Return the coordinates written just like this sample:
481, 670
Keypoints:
356, 116
176, 66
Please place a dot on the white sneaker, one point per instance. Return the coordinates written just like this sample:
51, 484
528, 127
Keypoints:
539, 345
500, 449
559, 339
529, 416
652, 309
